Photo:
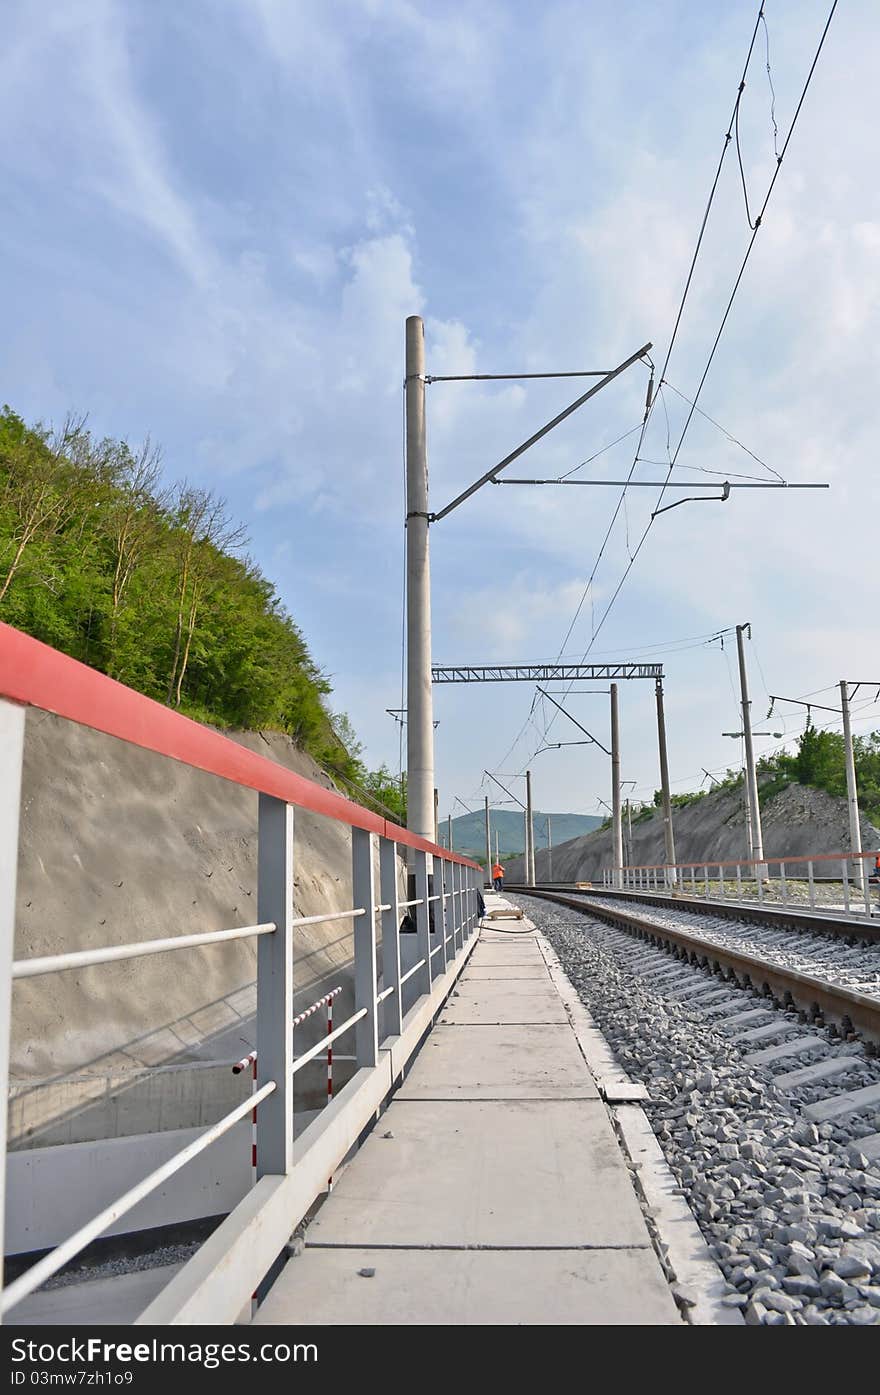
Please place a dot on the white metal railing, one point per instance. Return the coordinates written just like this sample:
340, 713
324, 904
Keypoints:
841, 884
83, 958
76, 1243
245, 1246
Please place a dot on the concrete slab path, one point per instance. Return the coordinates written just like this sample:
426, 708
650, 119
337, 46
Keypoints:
493, 1189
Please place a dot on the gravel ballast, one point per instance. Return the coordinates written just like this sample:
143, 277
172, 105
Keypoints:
789, 1208
821, 956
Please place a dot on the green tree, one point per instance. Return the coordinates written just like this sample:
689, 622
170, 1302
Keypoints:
821, 760
40, 488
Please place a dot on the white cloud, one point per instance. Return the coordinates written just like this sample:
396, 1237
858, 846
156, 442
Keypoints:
246, 301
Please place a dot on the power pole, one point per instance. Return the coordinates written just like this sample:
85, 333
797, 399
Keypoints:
615, 787
530, 833
549, 852
488, 844
852, 798
668, 834
419, 706
747, 808
496, 845
751, 774
629, 834
436, 815
449, 832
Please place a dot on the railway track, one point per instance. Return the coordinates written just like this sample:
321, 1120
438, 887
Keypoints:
803, 918
766, 1105
830, 976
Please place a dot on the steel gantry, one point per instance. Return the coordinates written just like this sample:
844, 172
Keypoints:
542, 673
548, 673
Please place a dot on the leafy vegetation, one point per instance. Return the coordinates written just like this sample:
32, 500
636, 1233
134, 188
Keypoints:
820, 761
150, 583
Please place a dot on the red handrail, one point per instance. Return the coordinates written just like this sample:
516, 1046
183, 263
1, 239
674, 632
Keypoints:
37, 675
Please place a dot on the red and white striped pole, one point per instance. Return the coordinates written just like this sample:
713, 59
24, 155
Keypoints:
254, 1123
250, 1060
329, 1065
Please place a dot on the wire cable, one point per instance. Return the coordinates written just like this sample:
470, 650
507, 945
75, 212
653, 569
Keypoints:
748, 253
595, 456
649, 411
772, 92
723, 429
742, 173
694, 408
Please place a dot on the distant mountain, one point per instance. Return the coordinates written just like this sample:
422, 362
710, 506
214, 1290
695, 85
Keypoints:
469, 830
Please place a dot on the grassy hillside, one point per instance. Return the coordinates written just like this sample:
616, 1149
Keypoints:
149, 582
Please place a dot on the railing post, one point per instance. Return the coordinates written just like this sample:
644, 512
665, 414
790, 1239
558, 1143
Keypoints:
11, 751
845, 886
721, 878
460, 901
363, 885
275, 985
463, 885
423, 918
812, 884
448, 905
693, 879
464, 874
760, 879
389, 895
784, 885
739, 885
706, 878
866, 885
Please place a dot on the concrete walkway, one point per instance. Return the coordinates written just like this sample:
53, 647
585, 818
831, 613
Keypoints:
493, 1189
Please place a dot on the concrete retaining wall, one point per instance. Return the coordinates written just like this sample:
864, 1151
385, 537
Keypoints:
118, 844
51, 1192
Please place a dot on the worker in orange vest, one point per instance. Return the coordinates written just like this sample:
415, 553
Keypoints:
497, 876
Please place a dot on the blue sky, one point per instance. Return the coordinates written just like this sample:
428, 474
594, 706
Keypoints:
218, 216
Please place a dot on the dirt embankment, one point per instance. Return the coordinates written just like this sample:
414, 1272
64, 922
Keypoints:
121, 845
797, 822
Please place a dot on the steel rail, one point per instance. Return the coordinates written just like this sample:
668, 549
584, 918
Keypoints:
754, 913
844, 1005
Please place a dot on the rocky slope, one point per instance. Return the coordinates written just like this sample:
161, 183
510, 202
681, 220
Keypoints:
796, 822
